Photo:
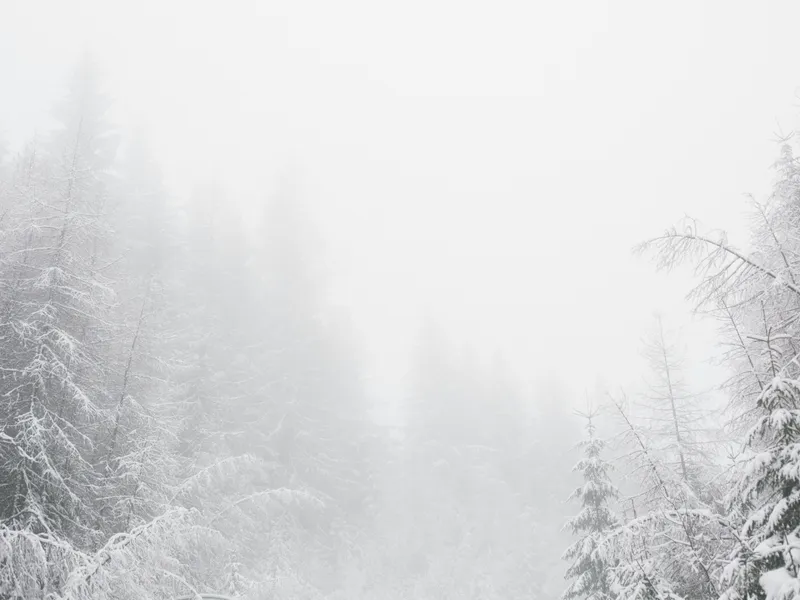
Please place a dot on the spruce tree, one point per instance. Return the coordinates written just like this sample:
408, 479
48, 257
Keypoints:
767, 497
592, 523
56, 323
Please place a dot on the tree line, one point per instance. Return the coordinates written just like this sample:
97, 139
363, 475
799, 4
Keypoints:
182, 410
711, 507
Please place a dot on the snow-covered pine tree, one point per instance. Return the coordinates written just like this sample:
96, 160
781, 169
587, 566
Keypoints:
766, 497
304, 413
317, 416
206, 305
136, 452
472, 519
231, 398
589, 568
56, 323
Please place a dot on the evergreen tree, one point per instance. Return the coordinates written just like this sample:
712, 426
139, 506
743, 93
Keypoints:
209, 303
137, 446
309, 417
589, 568
57, 323
767, 496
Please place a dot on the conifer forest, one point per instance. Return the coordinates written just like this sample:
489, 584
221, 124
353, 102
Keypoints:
456, 343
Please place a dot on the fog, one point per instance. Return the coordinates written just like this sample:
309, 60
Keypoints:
316, 299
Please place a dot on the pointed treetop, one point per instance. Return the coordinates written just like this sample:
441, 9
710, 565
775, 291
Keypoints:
83, 116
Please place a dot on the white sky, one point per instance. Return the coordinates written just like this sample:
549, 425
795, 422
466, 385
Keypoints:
489, 163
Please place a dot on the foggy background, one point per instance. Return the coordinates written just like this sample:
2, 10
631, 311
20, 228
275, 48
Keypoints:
475, 172
490, 166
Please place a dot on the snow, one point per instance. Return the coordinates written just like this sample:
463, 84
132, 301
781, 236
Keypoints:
779, 584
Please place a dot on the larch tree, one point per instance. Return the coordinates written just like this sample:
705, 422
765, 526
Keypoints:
674, 539
754, 293
679, 422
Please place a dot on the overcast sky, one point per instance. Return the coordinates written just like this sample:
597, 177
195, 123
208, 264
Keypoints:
488, 163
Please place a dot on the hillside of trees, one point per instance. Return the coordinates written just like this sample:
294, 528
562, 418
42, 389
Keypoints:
711, 507
183, 410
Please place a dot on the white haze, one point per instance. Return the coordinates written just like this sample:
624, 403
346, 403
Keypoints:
483, 167
488, 164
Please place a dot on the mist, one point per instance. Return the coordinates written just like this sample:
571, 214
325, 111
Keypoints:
420, 300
